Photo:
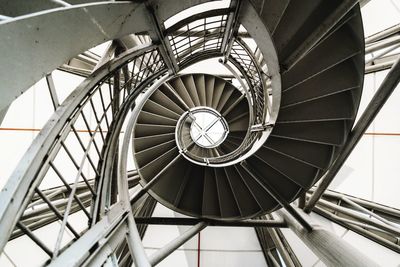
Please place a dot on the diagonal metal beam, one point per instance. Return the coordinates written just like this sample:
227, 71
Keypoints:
381, 96
161, 254
231, 30
159, 37
318, 33
278, 198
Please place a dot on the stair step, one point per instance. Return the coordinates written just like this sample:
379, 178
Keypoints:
160, 98
199, 81
300, 20
269, 176
210, 205
155, 108
316, 155
191, 88
341, 46
335, 107
312, 89
264, 199
154, 167
192, 197
151, 118
168, 186
143, 130
141, 143
248, 206
219, 86
271, 12
182, 91
298, 172
228, 205
325, 132
145, 156
209, 82
226, 95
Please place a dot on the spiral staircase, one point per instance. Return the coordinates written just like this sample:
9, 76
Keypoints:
211, 147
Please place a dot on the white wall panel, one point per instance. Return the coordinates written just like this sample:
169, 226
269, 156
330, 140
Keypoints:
387, 170
379, 15
355, 177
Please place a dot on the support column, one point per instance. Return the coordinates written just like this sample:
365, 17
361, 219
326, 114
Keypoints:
330, 248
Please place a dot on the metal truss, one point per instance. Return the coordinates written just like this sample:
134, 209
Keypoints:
377, 222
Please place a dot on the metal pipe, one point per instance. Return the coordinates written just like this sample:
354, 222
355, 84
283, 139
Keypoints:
383, 44
360, 217
365, 203
361, 208
162, 253
379, 67
194, 221
281, 248
379, 99
382, 34
357, 229
330, 248
382, 54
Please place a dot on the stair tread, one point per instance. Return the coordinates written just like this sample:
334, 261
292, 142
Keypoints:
314, 154
325, 132
335, 107
298, 172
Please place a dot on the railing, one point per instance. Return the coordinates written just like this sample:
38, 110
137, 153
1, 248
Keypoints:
62, 185
200, 35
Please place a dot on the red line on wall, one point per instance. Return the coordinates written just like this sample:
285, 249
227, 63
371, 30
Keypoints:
383, 134
38, 130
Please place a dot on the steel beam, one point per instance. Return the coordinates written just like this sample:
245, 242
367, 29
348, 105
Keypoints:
159, 37
161, 254
383, 44
272, 242
318, 33
193, 221
278, 198
381, 96
376, 207
231, 29
330, 248
52, 91
358, 229
383, 34
360, 217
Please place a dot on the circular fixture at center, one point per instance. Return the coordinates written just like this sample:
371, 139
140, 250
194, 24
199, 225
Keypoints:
208, 128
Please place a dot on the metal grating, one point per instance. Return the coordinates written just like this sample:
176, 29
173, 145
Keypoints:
201, 36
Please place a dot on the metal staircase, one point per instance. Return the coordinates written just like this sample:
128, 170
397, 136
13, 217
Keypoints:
202, 146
